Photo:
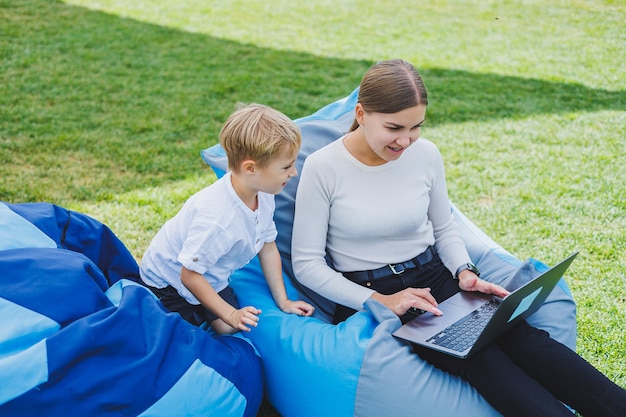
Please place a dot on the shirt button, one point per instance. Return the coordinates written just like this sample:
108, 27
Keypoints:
195, 259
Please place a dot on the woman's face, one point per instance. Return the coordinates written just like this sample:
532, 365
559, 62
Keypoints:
389, 135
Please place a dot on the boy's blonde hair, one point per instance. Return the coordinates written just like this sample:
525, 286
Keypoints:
260, 133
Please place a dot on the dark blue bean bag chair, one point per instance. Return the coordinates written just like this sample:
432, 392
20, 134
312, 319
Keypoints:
80, 337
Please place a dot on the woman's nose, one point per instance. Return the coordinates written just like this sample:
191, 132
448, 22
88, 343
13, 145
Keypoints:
404, 140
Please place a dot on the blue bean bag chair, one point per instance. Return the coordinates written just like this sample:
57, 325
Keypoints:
80, 337
356, 368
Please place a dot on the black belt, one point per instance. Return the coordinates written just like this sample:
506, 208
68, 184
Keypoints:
363, 277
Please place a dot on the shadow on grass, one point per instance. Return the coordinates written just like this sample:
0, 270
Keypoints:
96, 105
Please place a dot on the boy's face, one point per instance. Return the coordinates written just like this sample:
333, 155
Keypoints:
273, 177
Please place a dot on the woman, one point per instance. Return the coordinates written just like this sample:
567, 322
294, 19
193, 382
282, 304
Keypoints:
375, 200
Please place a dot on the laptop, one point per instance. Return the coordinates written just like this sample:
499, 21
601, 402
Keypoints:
472, 320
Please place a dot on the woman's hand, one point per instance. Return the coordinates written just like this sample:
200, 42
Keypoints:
402, 301
297, 307
469, 281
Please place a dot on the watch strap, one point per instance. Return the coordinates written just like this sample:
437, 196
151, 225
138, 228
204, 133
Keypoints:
470, 266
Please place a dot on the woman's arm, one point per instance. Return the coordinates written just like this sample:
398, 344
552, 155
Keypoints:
448, 240
308, 245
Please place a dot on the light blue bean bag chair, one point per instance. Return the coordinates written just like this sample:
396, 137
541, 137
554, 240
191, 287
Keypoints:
314, 368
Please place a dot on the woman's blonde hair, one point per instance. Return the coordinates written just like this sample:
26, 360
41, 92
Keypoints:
391, 86
260, 133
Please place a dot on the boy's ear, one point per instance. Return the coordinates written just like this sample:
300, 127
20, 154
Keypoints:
248, 166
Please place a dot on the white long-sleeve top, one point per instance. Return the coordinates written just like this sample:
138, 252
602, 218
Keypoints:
365, 217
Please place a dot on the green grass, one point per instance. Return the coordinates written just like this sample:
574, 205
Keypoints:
105, 106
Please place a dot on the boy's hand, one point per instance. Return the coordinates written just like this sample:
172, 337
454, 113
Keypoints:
297, 307
244, 318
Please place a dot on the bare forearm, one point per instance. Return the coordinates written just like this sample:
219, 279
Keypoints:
206, 294
273, 271
271, 266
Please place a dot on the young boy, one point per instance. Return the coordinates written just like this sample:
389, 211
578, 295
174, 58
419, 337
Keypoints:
222, 227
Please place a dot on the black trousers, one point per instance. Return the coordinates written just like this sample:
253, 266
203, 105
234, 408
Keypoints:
196, 314
523, 373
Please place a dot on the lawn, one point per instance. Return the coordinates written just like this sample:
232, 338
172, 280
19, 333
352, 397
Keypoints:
106, 105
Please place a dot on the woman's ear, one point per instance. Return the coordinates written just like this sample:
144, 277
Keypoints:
359, 113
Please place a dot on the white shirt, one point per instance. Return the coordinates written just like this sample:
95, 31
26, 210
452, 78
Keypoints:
213, 234
369, 216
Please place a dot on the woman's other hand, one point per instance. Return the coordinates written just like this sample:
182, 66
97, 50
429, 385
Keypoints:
469, 281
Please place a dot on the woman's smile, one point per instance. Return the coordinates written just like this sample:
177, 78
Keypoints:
396, 149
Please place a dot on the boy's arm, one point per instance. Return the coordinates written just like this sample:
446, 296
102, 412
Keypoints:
209, 298
272, 267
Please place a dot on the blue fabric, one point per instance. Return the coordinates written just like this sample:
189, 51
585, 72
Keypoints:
48, 281
217, 399
357, 368
26, 328
12, 224
22, 371
80, 233
305, 359
71, 344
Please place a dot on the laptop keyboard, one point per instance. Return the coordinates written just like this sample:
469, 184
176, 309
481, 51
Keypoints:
462, 334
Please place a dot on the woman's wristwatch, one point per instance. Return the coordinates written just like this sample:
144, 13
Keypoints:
469, 266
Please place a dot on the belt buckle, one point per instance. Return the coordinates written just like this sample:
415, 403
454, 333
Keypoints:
396, 272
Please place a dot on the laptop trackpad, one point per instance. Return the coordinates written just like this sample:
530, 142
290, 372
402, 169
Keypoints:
454, 308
